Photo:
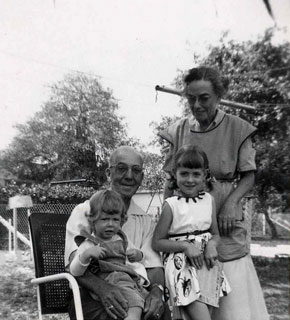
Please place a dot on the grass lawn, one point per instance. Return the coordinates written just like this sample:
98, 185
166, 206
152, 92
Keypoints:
18, 296
274, 278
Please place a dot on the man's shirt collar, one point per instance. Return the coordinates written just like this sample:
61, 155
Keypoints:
134, 209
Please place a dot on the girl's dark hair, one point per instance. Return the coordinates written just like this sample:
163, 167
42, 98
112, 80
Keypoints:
219, 83
192, 157
108, 201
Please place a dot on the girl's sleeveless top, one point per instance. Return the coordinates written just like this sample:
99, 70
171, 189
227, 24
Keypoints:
190, 214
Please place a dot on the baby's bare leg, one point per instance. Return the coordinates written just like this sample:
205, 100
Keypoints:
197, 311
134, 313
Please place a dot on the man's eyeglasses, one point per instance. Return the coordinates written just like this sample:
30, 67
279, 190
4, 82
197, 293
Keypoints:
124, 168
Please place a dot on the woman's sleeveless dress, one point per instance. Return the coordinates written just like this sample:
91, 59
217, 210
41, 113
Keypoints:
227, 145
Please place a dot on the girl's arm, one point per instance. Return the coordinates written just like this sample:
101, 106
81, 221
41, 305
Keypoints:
210, 253
160, 241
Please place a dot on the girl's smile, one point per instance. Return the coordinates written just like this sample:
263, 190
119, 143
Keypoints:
190, 181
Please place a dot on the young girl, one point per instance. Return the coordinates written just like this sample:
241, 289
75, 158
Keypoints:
104, 251
187, 231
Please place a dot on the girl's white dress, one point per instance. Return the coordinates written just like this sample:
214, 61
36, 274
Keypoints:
192, 219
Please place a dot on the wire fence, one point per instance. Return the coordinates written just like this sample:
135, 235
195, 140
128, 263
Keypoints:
255, 223
22, 219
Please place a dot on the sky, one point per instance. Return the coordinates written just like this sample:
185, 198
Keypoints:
129, 45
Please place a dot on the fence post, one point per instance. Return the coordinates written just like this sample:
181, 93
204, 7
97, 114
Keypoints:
15, 229
263, 224
18, 201
9, 238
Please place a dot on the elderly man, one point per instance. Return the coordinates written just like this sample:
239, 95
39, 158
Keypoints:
126, 174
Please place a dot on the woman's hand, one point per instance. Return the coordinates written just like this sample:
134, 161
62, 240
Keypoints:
228, 213
134, 255
210, 254
227, 217
194, 254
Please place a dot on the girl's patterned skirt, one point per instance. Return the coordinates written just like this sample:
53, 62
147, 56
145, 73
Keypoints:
187, 284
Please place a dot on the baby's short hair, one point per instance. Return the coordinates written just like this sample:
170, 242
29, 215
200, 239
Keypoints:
108, 201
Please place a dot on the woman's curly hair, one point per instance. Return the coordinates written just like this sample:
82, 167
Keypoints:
220, 84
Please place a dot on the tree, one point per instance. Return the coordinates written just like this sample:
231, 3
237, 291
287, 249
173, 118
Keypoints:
259, 74
153, 173
71, 137
157, 127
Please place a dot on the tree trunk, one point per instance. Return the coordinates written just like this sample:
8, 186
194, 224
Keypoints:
274, 233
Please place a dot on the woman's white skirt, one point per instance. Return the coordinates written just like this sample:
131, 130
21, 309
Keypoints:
246, 301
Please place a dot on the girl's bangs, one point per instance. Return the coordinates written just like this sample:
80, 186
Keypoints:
191, 159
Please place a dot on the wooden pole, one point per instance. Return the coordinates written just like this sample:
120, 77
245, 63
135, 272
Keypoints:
227, 103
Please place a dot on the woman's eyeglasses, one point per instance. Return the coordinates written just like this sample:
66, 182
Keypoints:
201, 99
124, 168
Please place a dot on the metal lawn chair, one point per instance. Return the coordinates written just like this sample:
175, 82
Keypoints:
48, 241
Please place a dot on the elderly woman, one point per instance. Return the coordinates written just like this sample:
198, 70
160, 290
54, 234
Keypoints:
226, 139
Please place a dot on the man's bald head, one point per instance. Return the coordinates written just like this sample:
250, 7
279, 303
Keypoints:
125, 150
126, 171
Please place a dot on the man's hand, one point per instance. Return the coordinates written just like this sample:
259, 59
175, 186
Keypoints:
134, 255
227, 217
154, 307
113, 301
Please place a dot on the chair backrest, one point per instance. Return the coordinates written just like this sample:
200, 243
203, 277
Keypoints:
48, 241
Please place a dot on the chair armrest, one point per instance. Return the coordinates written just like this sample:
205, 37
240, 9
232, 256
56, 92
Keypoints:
74, 287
